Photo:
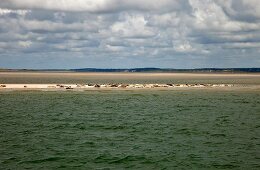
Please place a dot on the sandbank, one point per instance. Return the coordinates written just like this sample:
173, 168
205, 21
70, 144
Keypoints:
108, 86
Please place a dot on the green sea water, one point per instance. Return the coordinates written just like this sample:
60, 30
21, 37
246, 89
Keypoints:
140, 129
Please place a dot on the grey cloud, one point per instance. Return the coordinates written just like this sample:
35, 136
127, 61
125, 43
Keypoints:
242, 10
94, 6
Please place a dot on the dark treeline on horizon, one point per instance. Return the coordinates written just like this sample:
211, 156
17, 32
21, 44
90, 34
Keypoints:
149, 69
169, 70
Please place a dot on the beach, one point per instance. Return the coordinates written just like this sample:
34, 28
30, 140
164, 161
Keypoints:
125, 81
130, 78
109, 86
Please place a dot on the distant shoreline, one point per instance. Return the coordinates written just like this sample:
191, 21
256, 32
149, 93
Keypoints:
142, 70
130, 73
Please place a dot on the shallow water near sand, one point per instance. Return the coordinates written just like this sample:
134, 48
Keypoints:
182, 129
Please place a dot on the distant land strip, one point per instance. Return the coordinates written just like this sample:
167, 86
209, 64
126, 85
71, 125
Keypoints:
143, 70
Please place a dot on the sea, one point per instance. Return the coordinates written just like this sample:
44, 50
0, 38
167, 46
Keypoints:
131, 129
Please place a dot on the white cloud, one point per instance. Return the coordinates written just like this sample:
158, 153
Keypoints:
4, 11
184, 47
132, 26
25, 44
115, 48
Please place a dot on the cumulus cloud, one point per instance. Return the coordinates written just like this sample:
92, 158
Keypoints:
132, 26
123, 33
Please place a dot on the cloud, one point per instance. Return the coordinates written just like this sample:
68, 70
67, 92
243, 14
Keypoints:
64, 5
4, 11
184, 47
25, 44
241, 10
166, 33
132, 26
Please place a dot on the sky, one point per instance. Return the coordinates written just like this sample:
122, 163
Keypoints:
64, 34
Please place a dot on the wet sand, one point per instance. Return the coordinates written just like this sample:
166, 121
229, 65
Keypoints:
130, 78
